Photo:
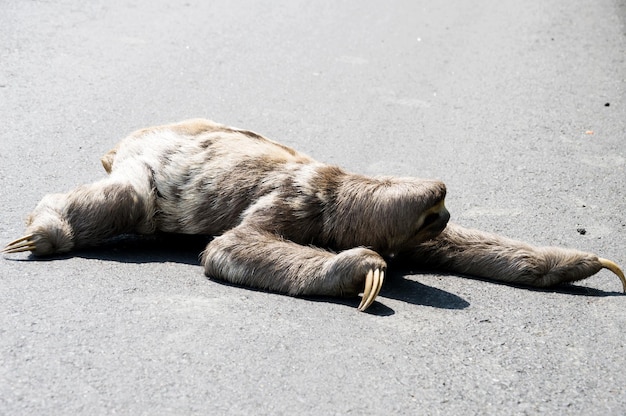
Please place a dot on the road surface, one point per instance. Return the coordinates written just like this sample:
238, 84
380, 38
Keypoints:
518, 106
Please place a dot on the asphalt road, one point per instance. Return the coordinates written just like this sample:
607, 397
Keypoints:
518, 106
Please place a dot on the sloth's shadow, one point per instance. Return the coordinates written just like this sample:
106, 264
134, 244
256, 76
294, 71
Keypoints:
186, 249
156, 248
399, 286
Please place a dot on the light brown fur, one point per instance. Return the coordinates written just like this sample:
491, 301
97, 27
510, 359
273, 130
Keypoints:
281, 220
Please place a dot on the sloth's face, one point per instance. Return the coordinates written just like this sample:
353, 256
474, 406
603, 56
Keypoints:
415, 215
405, 234
432, 222
388, 214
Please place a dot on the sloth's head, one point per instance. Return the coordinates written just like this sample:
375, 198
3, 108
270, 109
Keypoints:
388, 214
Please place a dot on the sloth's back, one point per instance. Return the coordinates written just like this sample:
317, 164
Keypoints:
205, 175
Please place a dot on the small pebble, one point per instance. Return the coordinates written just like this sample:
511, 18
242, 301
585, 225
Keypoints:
581, 231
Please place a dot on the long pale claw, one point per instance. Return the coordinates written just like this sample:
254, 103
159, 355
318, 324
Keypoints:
373, 283
21, 244
368, 287
608, 264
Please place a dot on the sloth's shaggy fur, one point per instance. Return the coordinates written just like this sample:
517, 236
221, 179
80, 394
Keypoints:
281, 220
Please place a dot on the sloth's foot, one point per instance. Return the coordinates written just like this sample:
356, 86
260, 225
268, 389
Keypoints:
359, 270
581, 270
47, 234
559, 265
40, 243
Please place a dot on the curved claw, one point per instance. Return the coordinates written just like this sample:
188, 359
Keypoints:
608, 264
373, 283
21, 244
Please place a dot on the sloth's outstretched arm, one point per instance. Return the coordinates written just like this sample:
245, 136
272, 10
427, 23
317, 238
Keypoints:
486, 255
250, 257
86, 216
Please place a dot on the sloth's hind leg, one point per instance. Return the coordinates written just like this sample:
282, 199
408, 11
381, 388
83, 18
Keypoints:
487, 255
255, 258
86, 216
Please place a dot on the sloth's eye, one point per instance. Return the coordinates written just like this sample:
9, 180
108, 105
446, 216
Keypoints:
430, 219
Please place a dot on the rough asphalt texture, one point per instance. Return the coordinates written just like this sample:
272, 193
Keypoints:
518, 106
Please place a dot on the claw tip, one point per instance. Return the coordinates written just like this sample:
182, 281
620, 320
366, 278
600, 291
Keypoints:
608, 264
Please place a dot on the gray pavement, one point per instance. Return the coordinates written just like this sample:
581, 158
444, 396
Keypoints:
518, 106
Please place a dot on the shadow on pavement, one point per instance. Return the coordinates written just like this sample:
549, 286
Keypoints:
159, 248
186, 249
563, 288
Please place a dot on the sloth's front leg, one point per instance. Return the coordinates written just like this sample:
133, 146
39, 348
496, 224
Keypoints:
255, 258
487, 255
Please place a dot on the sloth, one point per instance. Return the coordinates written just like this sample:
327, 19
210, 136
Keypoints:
281, 221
